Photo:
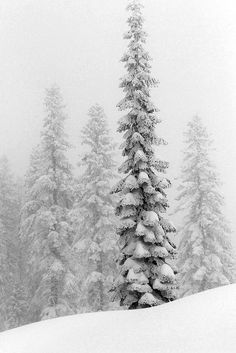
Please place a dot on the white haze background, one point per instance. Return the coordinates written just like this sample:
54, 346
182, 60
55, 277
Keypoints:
78, 43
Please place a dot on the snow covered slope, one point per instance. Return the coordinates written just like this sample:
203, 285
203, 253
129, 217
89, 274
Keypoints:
204, 323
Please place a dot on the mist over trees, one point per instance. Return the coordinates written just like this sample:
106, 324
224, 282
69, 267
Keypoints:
88, 237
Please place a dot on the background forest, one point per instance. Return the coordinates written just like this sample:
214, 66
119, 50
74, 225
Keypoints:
82, 229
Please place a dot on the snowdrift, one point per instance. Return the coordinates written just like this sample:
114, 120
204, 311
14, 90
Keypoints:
204, 323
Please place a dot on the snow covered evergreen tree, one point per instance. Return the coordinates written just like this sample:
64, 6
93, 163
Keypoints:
205, 252
94, 215
17, 304
28, 231
9, 244
45, 227
3, 277
147, 277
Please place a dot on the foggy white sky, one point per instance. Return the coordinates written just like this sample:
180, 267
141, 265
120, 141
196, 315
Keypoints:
78, 44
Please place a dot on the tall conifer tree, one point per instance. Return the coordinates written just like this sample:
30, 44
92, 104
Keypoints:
94, 214
205, 251
4, 281
10, 245
53, 283
147, 277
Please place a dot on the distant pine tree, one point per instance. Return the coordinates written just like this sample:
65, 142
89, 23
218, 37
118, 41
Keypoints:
45, 224
205, 252
147, 277
4, 281
9, 244
94, 215
29, 232
17, 305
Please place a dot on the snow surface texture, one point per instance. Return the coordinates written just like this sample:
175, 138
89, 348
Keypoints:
204, 323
